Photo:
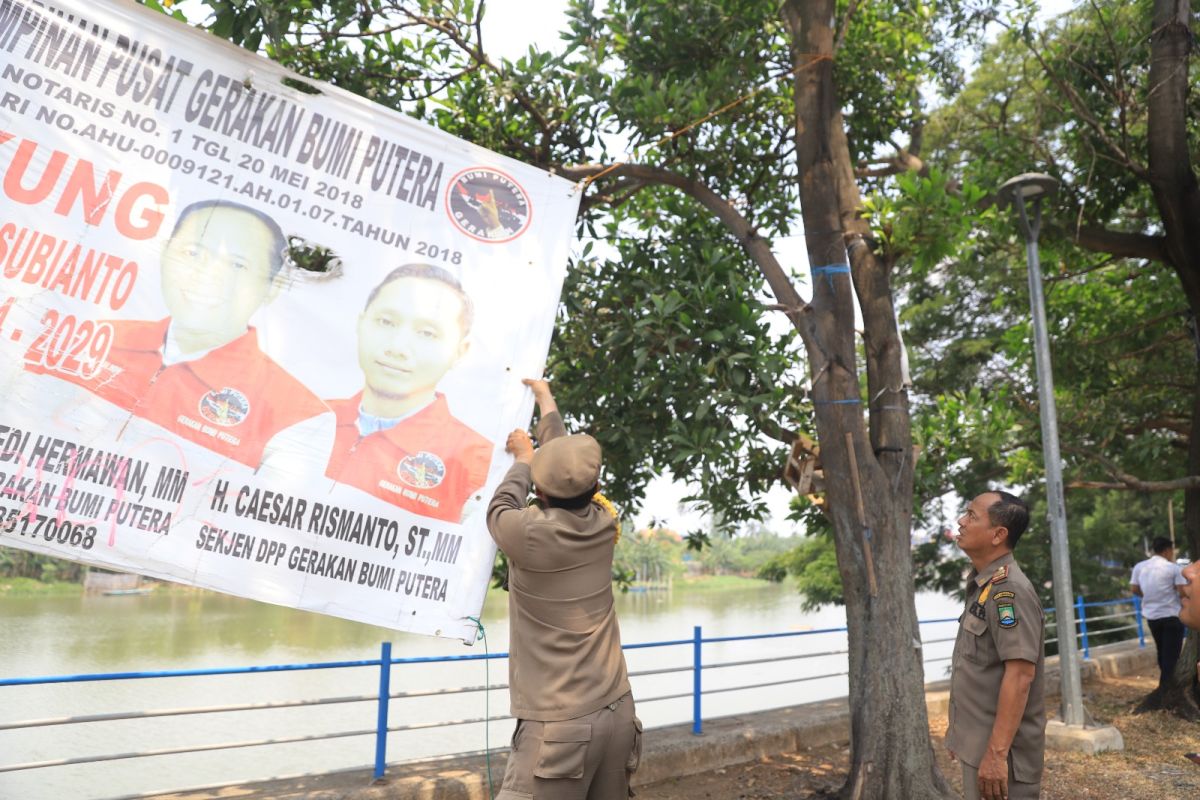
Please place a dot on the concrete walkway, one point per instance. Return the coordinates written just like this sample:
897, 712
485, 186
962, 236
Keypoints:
670, 752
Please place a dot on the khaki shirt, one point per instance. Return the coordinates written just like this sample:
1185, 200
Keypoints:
1002, 621
565, 656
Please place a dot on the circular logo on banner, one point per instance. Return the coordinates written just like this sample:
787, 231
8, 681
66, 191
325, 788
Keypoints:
421, 471
487, 205
226, 408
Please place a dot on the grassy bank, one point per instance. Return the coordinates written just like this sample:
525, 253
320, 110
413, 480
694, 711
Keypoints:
28, 587
719, 582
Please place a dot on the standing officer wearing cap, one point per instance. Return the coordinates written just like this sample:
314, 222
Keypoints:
997, 709
577, 737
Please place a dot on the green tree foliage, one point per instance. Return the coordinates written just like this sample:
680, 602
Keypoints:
651, 555
1123, 352
813, 565
23, 564
1103, 98
744, 553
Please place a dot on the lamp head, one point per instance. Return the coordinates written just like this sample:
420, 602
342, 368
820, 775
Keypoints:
1028, 186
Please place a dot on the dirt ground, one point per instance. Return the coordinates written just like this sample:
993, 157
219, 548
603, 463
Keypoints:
1152, 766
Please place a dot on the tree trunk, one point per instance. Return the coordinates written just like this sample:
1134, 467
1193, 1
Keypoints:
868, 475
1177, 195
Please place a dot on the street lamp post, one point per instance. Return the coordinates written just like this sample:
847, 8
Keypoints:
1025, 193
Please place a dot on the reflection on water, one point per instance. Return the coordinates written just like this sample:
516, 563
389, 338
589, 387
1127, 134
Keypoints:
180, 629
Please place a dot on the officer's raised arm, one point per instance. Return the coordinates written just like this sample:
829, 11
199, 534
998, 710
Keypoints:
550, 426
512, 495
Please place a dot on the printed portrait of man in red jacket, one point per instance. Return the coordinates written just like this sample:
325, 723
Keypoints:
199, 372
397, 438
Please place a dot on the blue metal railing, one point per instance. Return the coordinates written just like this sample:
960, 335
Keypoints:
385, 662
697, 671
1081, 621
385, 693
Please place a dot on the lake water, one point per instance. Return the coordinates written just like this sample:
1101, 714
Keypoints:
179, 630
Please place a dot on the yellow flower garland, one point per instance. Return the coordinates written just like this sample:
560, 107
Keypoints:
607, 505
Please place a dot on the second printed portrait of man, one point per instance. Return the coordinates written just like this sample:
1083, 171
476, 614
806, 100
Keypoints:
200, 373
396, 438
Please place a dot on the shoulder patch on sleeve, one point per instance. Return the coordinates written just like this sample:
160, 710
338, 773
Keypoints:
998, 596
1008, 614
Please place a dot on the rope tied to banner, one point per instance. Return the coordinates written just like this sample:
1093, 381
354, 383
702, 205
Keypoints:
487, 691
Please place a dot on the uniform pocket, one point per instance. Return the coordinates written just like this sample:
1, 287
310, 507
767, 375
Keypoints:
978, 647
564, 750
635, 755
512, 743
518, 778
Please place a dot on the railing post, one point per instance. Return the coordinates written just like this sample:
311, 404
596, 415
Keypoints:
381, 726
697, 725
1137, 615
1080, 611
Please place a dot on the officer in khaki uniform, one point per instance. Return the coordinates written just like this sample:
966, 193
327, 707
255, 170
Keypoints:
997, 708
577, 737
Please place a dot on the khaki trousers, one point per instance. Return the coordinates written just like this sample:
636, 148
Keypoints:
586, 758
1016, 790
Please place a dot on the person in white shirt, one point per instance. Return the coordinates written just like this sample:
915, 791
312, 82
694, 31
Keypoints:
1157, 580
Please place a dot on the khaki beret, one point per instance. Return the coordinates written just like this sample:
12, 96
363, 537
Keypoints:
567, 466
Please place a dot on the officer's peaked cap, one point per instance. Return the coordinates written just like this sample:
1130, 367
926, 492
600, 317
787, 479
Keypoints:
567, 466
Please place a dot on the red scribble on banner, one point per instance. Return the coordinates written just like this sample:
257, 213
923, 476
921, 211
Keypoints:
120, 487
183, 464
29, 507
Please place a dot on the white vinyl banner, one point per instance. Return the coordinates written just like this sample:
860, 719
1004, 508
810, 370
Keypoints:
252, 338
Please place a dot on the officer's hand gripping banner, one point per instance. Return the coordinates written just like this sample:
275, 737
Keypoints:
256, 339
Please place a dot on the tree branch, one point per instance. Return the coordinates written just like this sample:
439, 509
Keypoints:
1165, 340
476, 53
1180, 314
1126, 482
844, 28
1119, 243
1173, 180
1085, 115
756, 247
902, 161
1135, 485
1178, 425
614, 195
